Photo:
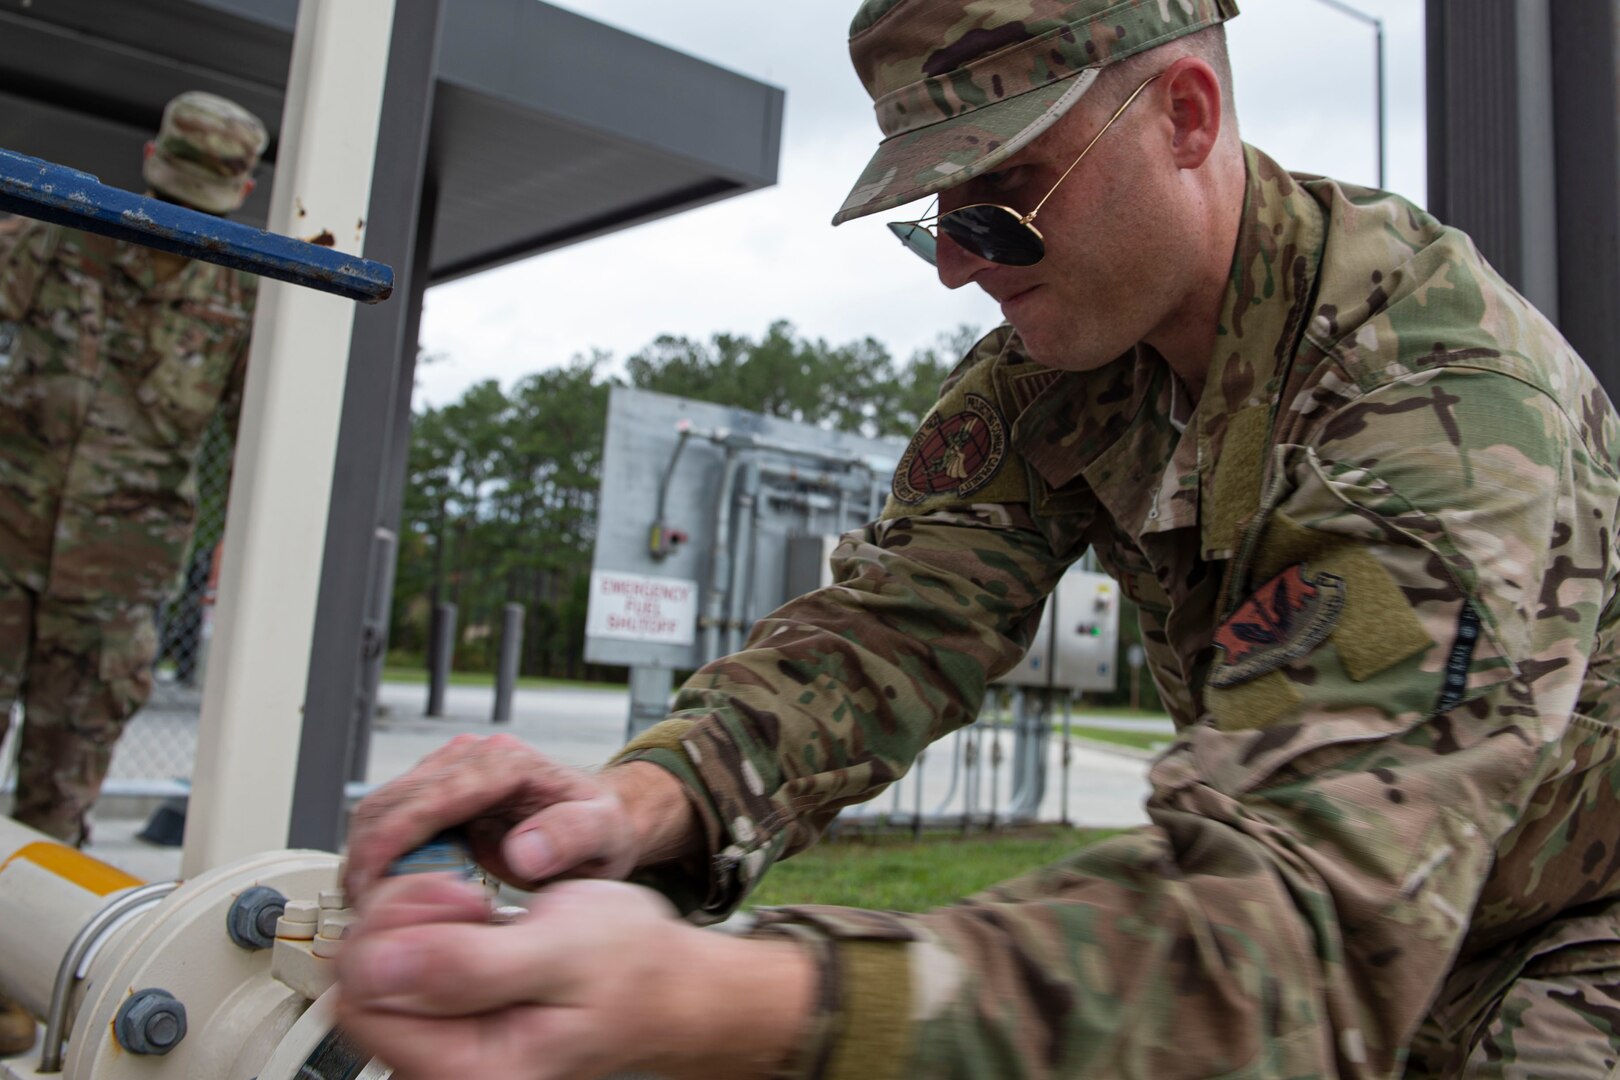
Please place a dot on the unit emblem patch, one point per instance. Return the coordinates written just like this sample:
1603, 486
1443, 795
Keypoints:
955, 454
1284, 619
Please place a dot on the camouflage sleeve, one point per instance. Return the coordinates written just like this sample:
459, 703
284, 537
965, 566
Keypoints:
231, 400
26, 247
837, 692
1394, 683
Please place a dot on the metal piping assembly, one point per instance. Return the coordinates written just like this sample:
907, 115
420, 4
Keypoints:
224, 976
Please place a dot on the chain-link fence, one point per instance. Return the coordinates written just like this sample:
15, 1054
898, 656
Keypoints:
159, 746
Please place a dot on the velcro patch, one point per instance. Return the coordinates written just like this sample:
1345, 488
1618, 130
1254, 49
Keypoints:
1285, 619
956, 453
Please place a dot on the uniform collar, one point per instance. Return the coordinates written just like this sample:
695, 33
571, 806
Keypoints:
1268, 299
1109, 425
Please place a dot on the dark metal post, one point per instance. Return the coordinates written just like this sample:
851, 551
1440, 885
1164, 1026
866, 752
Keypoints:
1491, 159
392, 495
1068, 751
506, 671
441, 650
374, 645
1586, 93
332, 697
649, 698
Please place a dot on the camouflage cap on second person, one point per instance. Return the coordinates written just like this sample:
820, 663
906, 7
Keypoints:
961, 85
205, 149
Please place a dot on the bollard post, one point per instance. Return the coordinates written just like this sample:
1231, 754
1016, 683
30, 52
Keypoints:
506, 672
441, 650
650, 688
1068, 749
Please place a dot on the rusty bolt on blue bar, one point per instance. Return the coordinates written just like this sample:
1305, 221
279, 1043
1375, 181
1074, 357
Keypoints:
55, 193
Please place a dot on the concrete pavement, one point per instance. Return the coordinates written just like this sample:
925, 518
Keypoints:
583, 727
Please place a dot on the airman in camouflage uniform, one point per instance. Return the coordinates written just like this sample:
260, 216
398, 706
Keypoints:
1374, 548
115, 358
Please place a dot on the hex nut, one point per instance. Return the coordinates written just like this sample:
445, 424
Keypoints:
150, 1021
251, 922
302, 911
335, 923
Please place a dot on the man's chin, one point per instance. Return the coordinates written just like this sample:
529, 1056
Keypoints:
1055, 351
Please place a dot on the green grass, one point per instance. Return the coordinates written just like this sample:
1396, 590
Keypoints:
484, 678
1120, 712
894, 873
1142, 740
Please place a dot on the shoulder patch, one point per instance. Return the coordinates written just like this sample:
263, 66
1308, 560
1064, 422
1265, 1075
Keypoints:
1285, 619
955, 453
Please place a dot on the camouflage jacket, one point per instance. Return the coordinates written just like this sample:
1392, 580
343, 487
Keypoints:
1377, 581
108, 379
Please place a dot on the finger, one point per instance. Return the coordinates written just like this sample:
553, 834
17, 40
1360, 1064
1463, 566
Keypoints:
555, 954
396, 818
449, 969
524, 1042
422, 899
582, 836
468, 778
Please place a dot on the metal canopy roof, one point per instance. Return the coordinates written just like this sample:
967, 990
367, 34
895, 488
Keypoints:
548, 128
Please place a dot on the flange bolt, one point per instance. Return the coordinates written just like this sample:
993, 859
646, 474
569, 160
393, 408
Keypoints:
252, 918
150, 1021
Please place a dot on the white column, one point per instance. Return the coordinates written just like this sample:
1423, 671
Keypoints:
247, 746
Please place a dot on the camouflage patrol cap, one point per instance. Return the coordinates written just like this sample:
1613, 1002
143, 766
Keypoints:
206, 147
961, 85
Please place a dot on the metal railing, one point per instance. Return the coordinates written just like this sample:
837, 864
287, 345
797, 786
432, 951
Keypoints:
1014, 765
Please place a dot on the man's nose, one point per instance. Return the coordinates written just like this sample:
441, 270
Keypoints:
956, 265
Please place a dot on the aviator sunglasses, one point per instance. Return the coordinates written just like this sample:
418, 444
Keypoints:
993, 232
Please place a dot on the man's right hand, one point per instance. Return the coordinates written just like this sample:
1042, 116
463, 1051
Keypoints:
528, 818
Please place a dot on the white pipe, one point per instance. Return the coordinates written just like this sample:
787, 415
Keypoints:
48, 891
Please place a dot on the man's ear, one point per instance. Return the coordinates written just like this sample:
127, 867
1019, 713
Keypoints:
1196, 110
147, 152
248, 185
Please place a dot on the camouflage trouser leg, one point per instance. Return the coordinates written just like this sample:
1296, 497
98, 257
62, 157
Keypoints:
88, 671
16, 625
1557, 1019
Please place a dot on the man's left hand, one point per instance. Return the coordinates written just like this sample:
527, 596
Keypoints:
598, 977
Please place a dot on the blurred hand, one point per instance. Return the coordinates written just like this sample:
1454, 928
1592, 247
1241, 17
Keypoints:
598, 977
528, 818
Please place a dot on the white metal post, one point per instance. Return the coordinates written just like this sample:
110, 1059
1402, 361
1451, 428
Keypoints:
247, 746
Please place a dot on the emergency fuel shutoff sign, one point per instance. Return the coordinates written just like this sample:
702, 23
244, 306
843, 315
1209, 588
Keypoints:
632, 607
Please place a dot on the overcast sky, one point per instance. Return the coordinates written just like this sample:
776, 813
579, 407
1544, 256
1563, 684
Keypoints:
1305, 94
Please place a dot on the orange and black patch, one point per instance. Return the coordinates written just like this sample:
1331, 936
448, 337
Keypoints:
956, 454
1285, 619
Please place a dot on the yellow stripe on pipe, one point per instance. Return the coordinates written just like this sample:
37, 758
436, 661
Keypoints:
71, 864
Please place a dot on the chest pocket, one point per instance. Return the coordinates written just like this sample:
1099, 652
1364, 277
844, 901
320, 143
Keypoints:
195, 349
1135, 574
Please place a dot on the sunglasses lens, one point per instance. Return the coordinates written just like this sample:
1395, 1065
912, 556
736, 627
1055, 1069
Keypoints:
995, 234
917, 238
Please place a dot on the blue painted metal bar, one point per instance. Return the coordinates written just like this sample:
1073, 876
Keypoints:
55, 193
